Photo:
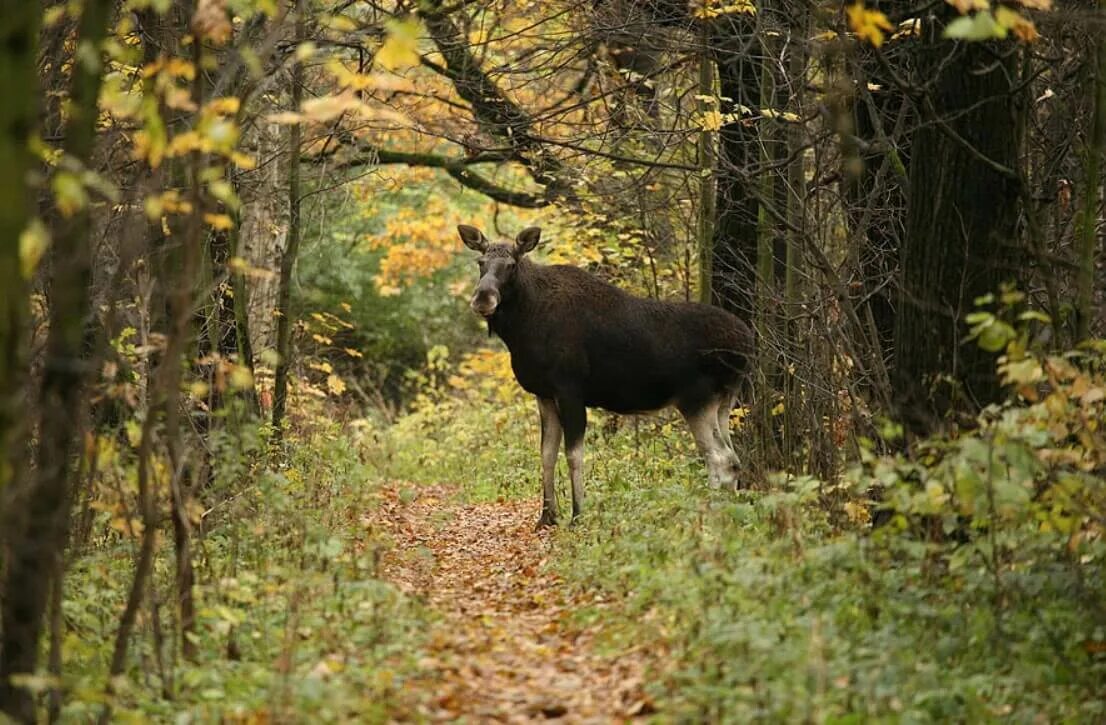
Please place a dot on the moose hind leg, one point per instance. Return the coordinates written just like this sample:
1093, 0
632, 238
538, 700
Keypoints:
725, 408
550, 445
574, 418
720, 459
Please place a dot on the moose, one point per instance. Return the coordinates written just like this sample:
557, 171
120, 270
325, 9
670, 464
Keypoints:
577, 342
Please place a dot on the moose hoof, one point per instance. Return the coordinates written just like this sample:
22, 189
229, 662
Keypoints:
546, 520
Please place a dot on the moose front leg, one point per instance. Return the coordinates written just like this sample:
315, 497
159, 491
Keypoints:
574, 418
550, 445
704, 422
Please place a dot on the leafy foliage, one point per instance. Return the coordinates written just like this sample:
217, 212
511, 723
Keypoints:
293, 616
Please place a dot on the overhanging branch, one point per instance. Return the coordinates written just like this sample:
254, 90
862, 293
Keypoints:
458, 168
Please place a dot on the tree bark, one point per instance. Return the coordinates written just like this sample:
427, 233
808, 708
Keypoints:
707, 152
18, 84
1088, 233
961, 225
735, 230
39, 535
288, 260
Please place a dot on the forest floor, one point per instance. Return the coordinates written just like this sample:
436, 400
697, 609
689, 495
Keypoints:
505, 645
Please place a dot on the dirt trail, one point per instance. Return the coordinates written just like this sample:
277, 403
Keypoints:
505, 650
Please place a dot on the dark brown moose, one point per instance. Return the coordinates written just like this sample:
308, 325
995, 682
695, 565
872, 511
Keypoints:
577, 342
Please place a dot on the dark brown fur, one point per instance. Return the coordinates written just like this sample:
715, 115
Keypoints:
581, 342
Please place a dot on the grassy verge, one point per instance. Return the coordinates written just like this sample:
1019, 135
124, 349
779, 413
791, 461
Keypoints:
769, 614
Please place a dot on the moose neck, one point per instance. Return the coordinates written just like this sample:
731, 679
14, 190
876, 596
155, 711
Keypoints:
510, 318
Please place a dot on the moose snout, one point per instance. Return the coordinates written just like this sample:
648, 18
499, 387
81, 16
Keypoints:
484, 302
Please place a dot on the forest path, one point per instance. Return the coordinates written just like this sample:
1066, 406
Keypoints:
504, 648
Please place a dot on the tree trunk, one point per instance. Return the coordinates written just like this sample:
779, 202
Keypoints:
39, 534
707, 151
1088, 233
288, 261
18, 83
263, 236
735, 231
961, 226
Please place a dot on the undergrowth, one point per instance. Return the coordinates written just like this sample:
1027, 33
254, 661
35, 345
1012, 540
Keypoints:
981, 599
291, 615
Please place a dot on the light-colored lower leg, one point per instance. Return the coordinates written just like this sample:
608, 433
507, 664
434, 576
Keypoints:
719, 458
724, 410
575, 456
550, 446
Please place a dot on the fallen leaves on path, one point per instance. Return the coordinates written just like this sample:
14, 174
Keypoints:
505, 649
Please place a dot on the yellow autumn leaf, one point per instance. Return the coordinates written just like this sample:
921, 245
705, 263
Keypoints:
401, 48
220, 222
709, 120
868, 24
240, 377
716, 8
966, 6
1021, 26
335, 384
69, 193
33, 243
224, 106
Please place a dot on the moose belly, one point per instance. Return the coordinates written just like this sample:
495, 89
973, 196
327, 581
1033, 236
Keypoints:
617, 388
631, 392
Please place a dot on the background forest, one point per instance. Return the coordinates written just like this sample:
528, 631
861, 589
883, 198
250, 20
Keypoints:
261, 463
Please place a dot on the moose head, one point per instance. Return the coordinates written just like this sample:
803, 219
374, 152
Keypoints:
498, 264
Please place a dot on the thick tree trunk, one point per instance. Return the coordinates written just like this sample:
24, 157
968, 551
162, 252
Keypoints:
18, 73
263, 235
735, 230
961, 228
39, 533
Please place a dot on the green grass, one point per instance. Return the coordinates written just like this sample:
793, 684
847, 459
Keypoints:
758, 606
763, 606
292, 617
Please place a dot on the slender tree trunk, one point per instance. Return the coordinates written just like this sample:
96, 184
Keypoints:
707, 190
38, 539
184, 477
961, 227
1088, 233
239, 289
288, 261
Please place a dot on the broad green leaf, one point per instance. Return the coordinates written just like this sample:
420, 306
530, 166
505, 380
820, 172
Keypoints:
981, 26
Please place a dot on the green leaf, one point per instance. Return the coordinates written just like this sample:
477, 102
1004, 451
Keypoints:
981, 26
994, 337
978, 318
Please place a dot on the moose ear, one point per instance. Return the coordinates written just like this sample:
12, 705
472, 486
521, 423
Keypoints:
473, 237
526, 240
